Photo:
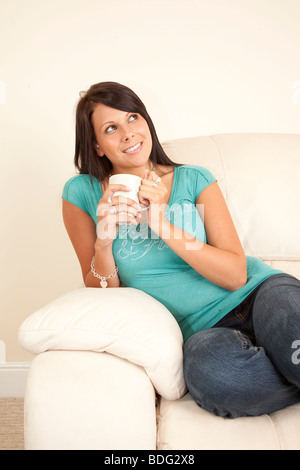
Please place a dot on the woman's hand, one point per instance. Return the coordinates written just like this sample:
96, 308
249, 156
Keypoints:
113, 210
154, 194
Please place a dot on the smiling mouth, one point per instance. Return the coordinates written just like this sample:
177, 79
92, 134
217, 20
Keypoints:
133, 148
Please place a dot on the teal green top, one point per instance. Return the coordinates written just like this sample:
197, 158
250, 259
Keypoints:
147, 263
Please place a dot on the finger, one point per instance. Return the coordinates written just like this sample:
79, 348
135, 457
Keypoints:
153, 176
128, 209
118, 187
127, 218
144, 201
147, 182
112, 188
103, 209
120, 217
149, 189
125, 200
153, 194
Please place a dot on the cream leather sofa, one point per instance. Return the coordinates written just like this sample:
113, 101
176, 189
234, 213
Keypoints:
108, 367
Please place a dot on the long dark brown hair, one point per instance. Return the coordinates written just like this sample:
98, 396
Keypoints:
116, 96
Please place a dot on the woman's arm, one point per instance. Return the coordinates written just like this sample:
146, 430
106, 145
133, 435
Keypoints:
221, 259
82, 232
89, 241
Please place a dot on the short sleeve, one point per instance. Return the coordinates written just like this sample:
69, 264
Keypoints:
200, 178
83, 192
73, 193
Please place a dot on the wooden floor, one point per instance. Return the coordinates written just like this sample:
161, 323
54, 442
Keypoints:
11, 424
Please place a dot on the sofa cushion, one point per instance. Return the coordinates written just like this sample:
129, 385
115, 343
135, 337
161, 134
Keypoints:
201, 430
258, 174
124, 322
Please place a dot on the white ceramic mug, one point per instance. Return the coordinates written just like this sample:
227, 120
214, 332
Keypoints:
132, 181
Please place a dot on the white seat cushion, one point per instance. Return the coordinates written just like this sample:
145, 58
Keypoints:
184, 425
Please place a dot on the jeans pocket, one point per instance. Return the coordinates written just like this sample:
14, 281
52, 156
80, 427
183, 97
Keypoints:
245, 340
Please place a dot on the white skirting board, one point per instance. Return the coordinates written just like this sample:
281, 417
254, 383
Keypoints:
13, 375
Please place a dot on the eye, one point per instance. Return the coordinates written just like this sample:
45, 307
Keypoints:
133, 117
110, 128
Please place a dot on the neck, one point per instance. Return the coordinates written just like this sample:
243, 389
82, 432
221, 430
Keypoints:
134, 171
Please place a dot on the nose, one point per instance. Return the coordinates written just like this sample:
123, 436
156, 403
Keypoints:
127, 134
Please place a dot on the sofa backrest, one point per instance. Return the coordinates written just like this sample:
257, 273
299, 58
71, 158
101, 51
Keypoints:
259, 177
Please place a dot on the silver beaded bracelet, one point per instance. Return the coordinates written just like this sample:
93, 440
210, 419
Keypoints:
103, 279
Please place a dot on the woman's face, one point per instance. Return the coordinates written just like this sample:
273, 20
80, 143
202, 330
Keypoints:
123, 137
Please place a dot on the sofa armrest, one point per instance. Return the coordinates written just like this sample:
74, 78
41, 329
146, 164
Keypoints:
124, 322
82, 400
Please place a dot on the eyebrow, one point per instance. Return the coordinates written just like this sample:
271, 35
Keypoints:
111, 122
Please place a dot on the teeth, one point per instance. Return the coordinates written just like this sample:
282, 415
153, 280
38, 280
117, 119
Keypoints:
133, 148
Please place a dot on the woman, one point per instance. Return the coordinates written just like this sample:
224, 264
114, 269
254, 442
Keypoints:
239, 317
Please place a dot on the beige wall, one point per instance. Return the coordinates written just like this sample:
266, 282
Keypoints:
201, 67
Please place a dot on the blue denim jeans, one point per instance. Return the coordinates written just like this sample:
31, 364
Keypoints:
248, 364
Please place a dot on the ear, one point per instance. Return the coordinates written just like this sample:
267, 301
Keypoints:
99, 150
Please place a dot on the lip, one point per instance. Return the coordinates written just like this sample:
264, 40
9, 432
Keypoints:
133, 152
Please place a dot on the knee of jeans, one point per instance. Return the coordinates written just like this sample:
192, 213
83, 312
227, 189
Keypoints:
202, 364
276, 286
213, 367
276, 318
